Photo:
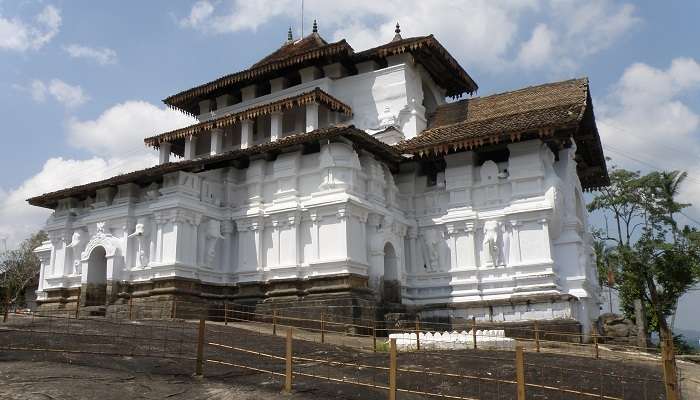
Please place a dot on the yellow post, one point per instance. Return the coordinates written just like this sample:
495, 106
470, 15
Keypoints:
417, 334
323, 335
200, 348
474, 331
288, 363
392, 370
520, 372
537, 337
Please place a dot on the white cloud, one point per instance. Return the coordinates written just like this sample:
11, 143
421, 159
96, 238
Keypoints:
18, 219
102, 55
478, 32
18, 35
70, 96
116, 137
645, 123
121, 128
201, 10
538, 49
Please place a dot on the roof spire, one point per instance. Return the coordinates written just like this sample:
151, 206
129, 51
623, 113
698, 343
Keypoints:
315, 28
289, 35
397, 36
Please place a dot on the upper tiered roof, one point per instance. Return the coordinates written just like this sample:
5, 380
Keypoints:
314, 50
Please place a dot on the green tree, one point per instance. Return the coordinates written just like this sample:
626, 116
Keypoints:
656, 261
18, 269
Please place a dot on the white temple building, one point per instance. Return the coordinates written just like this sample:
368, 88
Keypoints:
321, 175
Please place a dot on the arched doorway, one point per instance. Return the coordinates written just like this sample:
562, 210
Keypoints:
392, 284
96, 289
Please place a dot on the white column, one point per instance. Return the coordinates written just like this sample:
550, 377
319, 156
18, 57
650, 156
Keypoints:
311, 117
164, 155
217, 141
315, 219
191, 148
275, 125
227, 230
246, 133
413, 236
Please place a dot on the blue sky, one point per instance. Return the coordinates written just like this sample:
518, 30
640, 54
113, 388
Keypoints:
81, 81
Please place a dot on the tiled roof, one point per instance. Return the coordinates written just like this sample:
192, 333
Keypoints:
313, 50
316, 95
539, 110
155, 174
270, 66
290, 49
428, 51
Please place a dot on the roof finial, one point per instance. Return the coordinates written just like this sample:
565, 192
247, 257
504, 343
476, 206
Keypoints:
289, 35
397, 36
315, 27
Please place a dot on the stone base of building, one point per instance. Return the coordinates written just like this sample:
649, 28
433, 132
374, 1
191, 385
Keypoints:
343, 299
344, 302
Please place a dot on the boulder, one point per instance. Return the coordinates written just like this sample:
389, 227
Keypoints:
615, 326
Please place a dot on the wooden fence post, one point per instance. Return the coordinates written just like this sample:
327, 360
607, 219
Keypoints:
77, 304
537, 336
323, 333
225, 313
595, 344
288, 363
200, 348
6, 312
374, 336
474, 331
274, 322
417, 334
670, 373
392, 369
520, 372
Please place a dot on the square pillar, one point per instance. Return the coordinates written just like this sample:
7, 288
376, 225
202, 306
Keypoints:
204, 106
275, 125
164, 153
277, 84
309, 74
217, 140
223, 101
248, 93
190, 148
311, 117
246, 133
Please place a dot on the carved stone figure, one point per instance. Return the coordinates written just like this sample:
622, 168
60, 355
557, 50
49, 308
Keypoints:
492, 243
431, 249
212, 237
76, 245
141, 235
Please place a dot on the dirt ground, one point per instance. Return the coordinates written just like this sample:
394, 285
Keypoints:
155, 360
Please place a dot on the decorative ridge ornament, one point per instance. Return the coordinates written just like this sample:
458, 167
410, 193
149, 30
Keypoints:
397, 32
314, 29
290, 38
